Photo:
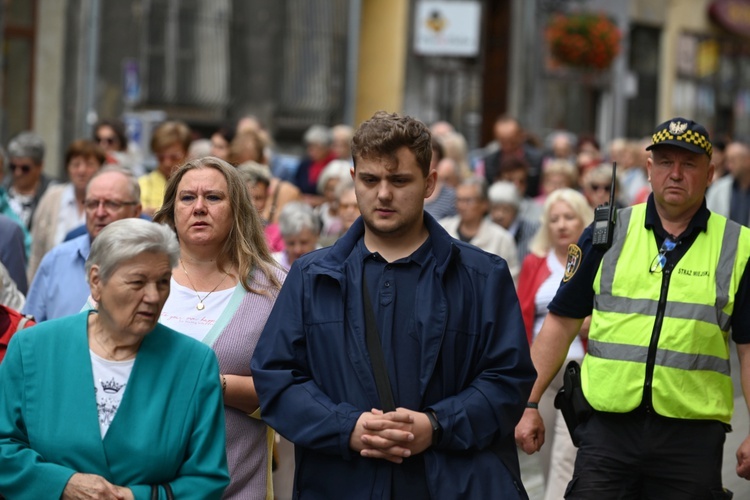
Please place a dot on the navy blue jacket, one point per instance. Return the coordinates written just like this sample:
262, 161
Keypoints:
314, 379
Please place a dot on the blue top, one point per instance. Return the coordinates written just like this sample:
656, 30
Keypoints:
314, 377
7, 211
575, 298
444, 205
59, 287
13, 252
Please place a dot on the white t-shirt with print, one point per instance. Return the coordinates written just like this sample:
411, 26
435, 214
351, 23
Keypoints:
110, 380
180, 313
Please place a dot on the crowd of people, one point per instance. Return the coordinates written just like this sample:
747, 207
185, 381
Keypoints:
218, 243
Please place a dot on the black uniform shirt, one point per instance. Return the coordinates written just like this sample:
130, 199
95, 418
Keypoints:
575, 298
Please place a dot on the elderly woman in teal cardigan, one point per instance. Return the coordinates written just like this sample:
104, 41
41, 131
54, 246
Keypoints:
108, 403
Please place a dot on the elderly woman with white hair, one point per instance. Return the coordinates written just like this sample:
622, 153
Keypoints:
565, 215
300, 229
334, 173
505, 205
108, 403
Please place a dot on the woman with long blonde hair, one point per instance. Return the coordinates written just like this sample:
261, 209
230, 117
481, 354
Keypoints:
223, 289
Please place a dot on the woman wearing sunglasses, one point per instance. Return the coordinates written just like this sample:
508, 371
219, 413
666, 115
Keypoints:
26, 183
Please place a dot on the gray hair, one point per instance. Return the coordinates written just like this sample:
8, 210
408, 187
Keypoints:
602, 173
343, 186
318, 134
297, 216
479, 182
504, 192
125, 239
27, 145
133, 187
253, 173
336, 169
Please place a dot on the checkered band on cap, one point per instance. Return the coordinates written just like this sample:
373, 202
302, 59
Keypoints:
687, 132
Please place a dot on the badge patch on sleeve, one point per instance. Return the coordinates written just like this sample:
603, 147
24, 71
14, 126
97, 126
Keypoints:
574, 260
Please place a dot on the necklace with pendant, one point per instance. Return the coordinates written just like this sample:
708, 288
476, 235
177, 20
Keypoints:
200, 305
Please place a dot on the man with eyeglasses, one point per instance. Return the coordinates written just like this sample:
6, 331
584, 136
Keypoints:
59, 287
26, 183
664, 299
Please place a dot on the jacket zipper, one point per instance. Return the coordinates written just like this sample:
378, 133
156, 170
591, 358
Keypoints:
651, 357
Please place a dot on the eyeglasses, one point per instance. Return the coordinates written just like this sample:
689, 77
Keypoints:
657, 265
600, 187
109, 205
24, 167
106, 140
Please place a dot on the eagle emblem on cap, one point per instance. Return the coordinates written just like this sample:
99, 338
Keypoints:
677, 128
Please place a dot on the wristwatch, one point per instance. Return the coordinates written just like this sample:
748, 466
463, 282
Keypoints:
436, 429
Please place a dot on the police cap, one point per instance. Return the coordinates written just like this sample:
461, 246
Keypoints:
682, 133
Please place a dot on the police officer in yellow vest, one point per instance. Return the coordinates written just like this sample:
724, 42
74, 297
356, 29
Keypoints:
663, 299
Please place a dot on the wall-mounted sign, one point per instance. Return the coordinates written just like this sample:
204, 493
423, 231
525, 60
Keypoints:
732, 15
447, 28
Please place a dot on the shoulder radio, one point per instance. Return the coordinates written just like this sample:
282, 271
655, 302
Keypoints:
605, 217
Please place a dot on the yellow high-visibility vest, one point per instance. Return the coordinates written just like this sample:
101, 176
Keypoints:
689, 330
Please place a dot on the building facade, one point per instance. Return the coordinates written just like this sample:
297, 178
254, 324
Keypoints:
294, 63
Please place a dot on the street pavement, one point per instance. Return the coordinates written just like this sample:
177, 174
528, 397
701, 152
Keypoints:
533, 479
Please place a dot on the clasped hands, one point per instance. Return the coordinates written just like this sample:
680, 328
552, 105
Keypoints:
391, 436
93, 487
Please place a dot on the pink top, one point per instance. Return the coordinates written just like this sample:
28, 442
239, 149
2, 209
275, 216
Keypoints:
273, 238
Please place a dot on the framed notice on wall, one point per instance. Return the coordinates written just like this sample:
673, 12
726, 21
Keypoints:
445, 28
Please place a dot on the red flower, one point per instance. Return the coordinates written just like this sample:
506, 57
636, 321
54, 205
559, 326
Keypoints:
583, 39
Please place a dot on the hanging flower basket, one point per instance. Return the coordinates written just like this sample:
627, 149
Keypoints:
584, 40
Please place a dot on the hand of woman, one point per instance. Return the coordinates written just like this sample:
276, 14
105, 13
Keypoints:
126, 493
240, 393
90, 486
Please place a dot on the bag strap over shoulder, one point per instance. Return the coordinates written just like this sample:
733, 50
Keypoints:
375, 349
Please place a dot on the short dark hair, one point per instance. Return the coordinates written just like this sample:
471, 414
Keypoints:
86, 149
385, 133
118, 127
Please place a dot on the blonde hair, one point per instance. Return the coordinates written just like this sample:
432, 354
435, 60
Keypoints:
541, 244
169, 133
455, 148
247, 145
245, 247
562, 167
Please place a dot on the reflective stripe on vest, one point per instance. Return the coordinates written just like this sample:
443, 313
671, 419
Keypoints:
673, 359
691, 367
